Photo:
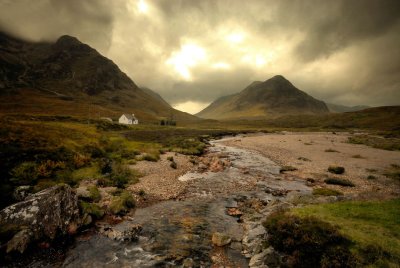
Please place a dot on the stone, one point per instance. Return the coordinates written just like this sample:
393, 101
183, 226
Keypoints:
20, 241
235, 212
40, 216
236, 246
82, 192
220, 239
188, 263
22, 192
122, 232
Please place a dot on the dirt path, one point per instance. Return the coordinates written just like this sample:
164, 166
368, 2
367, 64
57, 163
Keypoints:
313, 153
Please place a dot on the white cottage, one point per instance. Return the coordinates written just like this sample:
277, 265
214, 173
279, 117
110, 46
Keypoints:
128, 119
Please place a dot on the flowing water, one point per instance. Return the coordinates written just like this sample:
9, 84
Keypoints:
176, 232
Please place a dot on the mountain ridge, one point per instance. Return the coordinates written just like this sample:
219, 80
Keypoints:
272, 98
68, 76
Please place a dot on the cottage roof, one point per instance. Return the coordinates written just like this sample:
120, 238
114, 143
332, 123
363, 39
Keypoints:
130, 117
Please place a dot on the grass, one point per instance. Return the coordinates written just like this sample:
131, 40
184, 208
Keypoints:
326, 192
91, 209
287, 168
393, 172
121, 204
368, 224
336, 169
331, 151
338, 181
380, 142
308, 241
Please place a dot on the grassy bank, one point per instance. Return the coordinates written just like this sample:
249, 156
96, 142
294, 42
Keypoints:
373, 227
42, 151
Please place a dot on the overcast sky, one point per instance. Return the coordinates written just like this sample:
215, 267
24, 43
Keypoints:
194, 51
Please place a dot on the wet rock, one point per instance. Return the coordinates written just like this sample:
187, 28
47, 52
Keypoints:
235, 212
268, 258
122, 232
236, 246
43, 215
220, 239
22, 192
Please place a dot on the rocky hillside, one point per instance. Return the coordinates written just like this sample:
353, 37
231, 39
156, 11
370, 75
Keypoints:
271, 98
69, 77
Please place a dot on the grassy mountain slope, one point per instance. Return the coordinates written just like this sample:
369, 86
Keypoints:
269, 99
69, 77
335, 108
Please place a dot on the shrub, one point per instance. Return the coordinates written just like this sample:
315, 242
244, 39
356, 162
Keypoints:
81, 160
91, 209
142, 193
94, 194
308, 241
287, 168
336, 169
341, 182
358, 156
94, 151
173, 165
120, 205
122, 175
25, 173
326, 192
105, 165
151, 157
331, 151
170, 158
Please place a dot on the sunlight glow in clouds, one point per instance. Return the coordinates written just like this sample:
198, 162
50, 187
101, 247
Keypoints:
142, 6
191, 107
235, 38
186, 58
221, 66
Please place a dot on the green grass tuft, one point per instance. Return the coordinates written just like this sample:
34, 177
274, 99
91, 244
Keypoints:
338, 181
326, 192
336, 169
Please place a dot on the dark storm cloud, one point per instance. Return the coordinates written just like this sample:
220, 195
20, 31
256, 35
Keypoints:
343, 51
337, 24
91, 20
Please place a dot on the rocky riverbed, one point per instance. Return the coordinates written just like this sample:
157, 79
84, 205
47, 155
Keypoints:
209, 211
215, 221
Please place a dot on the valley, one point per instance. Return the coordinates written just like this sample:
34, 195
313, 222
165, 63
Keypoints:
267, 177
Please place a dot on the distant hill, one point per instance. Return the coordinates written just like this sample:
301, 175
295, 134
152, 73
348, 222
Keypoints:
335, 108
69, 77
269, 99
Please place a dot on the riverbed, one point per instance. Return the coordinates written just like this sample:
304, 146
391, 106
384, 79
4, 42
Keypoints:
178, 232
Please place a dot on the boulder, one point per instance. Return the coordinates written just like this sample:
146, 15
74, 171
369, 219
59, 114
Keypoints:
220, 239
22, 192
43, 215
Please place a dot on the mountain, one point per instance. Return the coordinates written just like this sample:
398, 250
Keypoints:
335, 108
271, 98
69, 77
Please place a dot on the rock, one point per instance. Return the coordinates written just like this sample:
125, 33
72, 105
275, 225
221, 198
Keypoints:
43, 215
188, 263
220, 239
269, 258
22, 192
235, 212
122, 232
82, 192
236, 246
20, 241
